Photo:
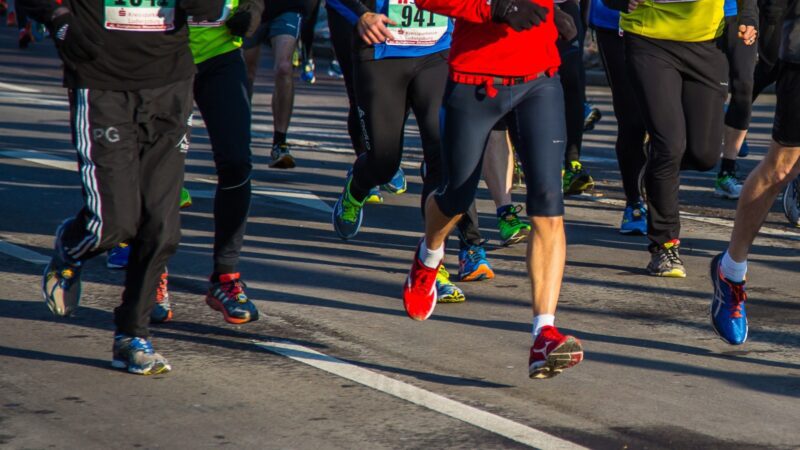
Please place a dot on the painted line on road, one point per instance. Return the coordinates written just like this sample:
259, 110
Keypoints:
771, 232
22, 253
303, 198
14, 87
435, 402
45, 159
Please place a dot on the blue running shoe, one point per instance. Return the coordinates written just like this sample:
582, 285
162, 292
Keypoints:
634, 220
397, 185
118, 256
137, 356
446, 291
728, 316
744, 150
61, 283
473, 265
374, 196
308, 74
348, 213
591, 116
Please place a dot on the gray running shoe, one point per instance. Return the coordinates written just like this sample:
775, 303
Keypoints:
61, 283
281, 158
665, 260
137, 356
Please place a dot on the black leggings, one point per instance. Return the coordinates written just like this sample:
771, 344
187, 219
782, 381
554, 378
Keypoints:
771, 13
681, 89
742, 62
307, 28
573, 79
631, 128
220, 90
342, 35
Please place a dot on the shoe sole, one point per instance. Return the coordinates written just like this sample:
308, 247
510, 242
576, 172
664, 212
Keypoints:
671, 274
457, 298
483, 273
155, 370
217, 306
566, 355
579, 187
521, 236
715, 287
725, 195
284, 162
164, 320
373, 200
115, 266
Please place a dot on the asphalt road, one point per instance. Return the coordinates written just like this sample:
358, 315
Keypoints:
334, 362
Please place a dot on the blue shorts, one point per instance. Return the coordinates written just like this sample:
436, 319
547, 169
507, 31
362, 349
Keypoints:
286, 24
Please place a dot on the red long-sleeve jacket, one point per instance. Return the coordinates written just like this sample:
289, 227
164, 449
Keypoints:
485, 48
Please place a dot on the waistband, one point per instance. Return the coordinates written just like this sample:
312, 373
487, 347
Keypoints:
489, 81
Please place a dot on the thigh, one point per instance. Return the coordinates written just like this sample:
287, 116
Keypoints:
538, 129
786, 127
425, 98
287, 24
703, 95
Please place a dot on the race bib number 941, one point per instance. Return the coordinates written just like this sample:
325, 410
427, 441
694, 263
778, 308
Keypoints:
415, 26
140, 15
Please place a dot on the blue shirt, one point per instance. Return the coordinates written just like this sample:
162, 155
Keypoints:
601, 16
730, 8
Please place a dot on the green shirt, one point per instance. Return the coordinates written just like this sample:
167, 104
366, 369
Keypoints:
685, 21
210, 39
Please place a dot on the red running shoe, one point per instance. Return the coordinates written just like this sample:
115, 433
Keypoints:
552, 352
419, 291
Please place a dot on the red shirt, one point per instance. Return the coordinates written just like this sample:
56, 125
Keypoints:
483, 47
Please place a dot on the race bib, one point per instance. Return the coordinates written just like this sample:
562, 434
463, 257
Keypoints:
140, 15
415, 26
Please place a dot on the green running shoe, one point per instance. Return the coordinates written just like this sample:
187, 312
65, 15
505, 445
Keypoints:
512, 230
348, 213
186, 199
446, 291
576, 180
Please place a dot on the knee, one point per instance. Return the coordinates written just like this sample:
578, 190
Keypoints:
547, 225
453, 202
234, 172
283, 70
781, 169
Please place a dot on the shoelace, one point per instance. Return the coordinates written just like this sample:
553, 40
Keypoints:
423, 279
474, 255
672, 255
142, 344
511, 216
350, 209
738, 296
232, 289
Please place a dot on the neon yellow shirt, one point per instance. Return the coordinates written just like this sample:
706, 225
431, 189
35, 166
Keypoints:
685, 21
210, 39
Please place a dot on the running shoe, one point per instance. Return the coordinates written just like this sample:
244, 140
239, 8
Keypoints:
397, 185
227, 296
446, 291
665, 260
512, 230
117, 257
791, 202
348, 213
552, 352
518, 178
136, 355
296, 57
281, 157
473, 265
374, 196
61, 284
634, 220
576, 179
162, 310
727, 186
308, 74
25, 37
591, 116
186, 198
419, 290
335, 69
728, 315
744, 150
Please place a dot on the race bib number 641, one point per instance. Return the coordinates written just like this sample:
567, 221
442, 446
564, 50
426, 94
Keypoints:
415, 26
140, 15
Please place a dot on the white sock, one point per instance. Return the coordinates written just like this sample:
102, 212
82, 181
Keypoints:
732, 270
431, 258
541, 321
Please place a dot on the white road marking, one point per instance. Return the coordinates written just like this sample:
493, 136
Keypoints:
22, 253
42, 158
32, 99
17, 88
298, 197
435, 402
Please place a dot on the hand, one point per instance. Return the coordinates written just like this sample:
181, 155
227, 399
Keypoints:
632, 4
239, 23
565, 25
748, 33
372, 28
202, 10
518, 14
73, 44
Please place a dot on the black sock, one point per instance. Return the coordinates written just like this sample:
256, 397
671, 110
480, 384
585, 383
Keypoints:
278, 138
727, 166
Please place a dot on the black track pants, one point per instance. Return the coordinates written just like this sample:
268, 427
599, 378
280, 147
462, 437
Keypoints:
220, 90
681, 89
742, 63
631, 128
770, 24
573, 78
131, 150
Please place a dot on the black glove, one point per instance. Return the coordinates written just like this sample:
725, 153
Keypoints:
202, 10
518, 14
73, 44
239, 23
